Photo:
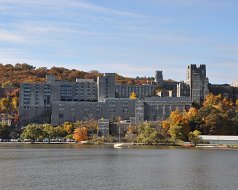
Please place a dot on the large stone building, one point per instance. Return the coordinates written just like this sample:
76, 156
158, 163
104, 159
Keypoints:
110, 108
36, 99
135, 110
57, 101
196, 84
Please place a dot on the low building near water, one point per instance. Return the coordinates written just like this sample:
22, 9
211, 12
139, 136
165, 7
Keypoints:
219, 139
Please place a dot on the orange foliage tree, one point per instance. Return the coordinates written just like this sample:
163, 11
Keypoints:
81, 134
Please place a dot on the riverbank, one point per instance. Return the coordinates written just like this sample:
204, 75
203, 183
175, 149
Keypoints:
131, 145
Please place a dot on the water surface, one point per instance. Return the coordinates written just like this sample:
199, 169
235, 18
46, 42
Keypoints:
72, 166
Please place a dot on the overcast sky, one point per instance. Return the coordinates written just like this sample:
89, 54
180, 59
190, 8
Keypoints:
129, 37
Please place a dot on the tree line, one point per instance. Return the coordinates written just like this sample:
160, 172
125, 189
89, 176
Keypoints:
79, 131
13, 75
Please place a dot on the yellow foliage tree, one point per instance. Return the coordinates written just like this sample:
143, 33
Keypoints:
14, 103
4, 104
133, 96
212, 100
236, 105
192, 113
68, 127
194, 136
165, 125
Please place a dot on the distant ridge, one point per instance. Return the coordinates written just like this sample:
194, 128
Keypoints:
23, 72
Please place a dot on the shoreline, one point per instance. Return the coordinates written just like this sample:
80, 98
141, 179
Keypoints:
128, 145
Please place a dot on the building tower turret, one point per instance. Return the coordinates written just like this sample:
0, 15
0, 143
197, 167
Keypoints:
198, 82
159, 78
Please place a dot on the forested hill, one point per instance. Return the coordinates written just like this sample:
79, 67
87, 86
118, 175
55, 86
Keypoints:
18, 73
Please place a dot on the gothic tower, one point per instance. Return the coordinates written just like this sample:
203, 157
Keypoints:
198, 82
159, 78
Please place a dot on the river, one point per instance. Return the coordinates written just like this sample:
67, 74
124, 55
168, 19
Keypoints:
73, 166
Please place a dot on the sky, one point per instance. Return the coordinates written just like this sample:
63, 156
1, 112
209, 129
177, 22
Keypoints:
129, 37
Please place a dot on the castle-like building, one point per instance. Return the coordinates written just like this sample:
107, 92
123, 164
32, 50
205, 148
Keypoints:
57, 101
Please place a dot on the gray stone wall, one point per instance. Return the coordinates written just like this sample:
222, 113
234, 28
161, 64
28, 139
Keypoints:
110, 108
159, 108
106, 86
142, 91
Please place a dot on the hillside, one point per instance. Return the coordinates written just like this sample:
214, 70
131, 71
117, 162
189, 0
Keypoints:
18, 73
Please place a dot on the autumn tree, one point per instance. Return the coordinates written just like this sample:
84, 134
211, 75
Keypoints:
48, 131
217, 116
68, 127
176, 133
92, 125
147, 134
179, 125
133, 96
194, 136
81, 134
59, 132
32, 132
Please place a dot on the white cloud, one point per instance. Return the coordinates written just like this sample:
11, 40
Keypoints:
6, 36
62, 4
32, 28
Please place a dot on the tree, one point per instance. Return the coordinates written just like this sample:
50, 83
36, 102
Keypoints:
177, 125
130, 136
14, 103
59, 132
80, 134
212, 100
133, 96
48, 131
68, 127
165, 127
147, 134
32, 132
7, 84
4, 105
176, 133
194, 136
92, 126
71, 137
4, 131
